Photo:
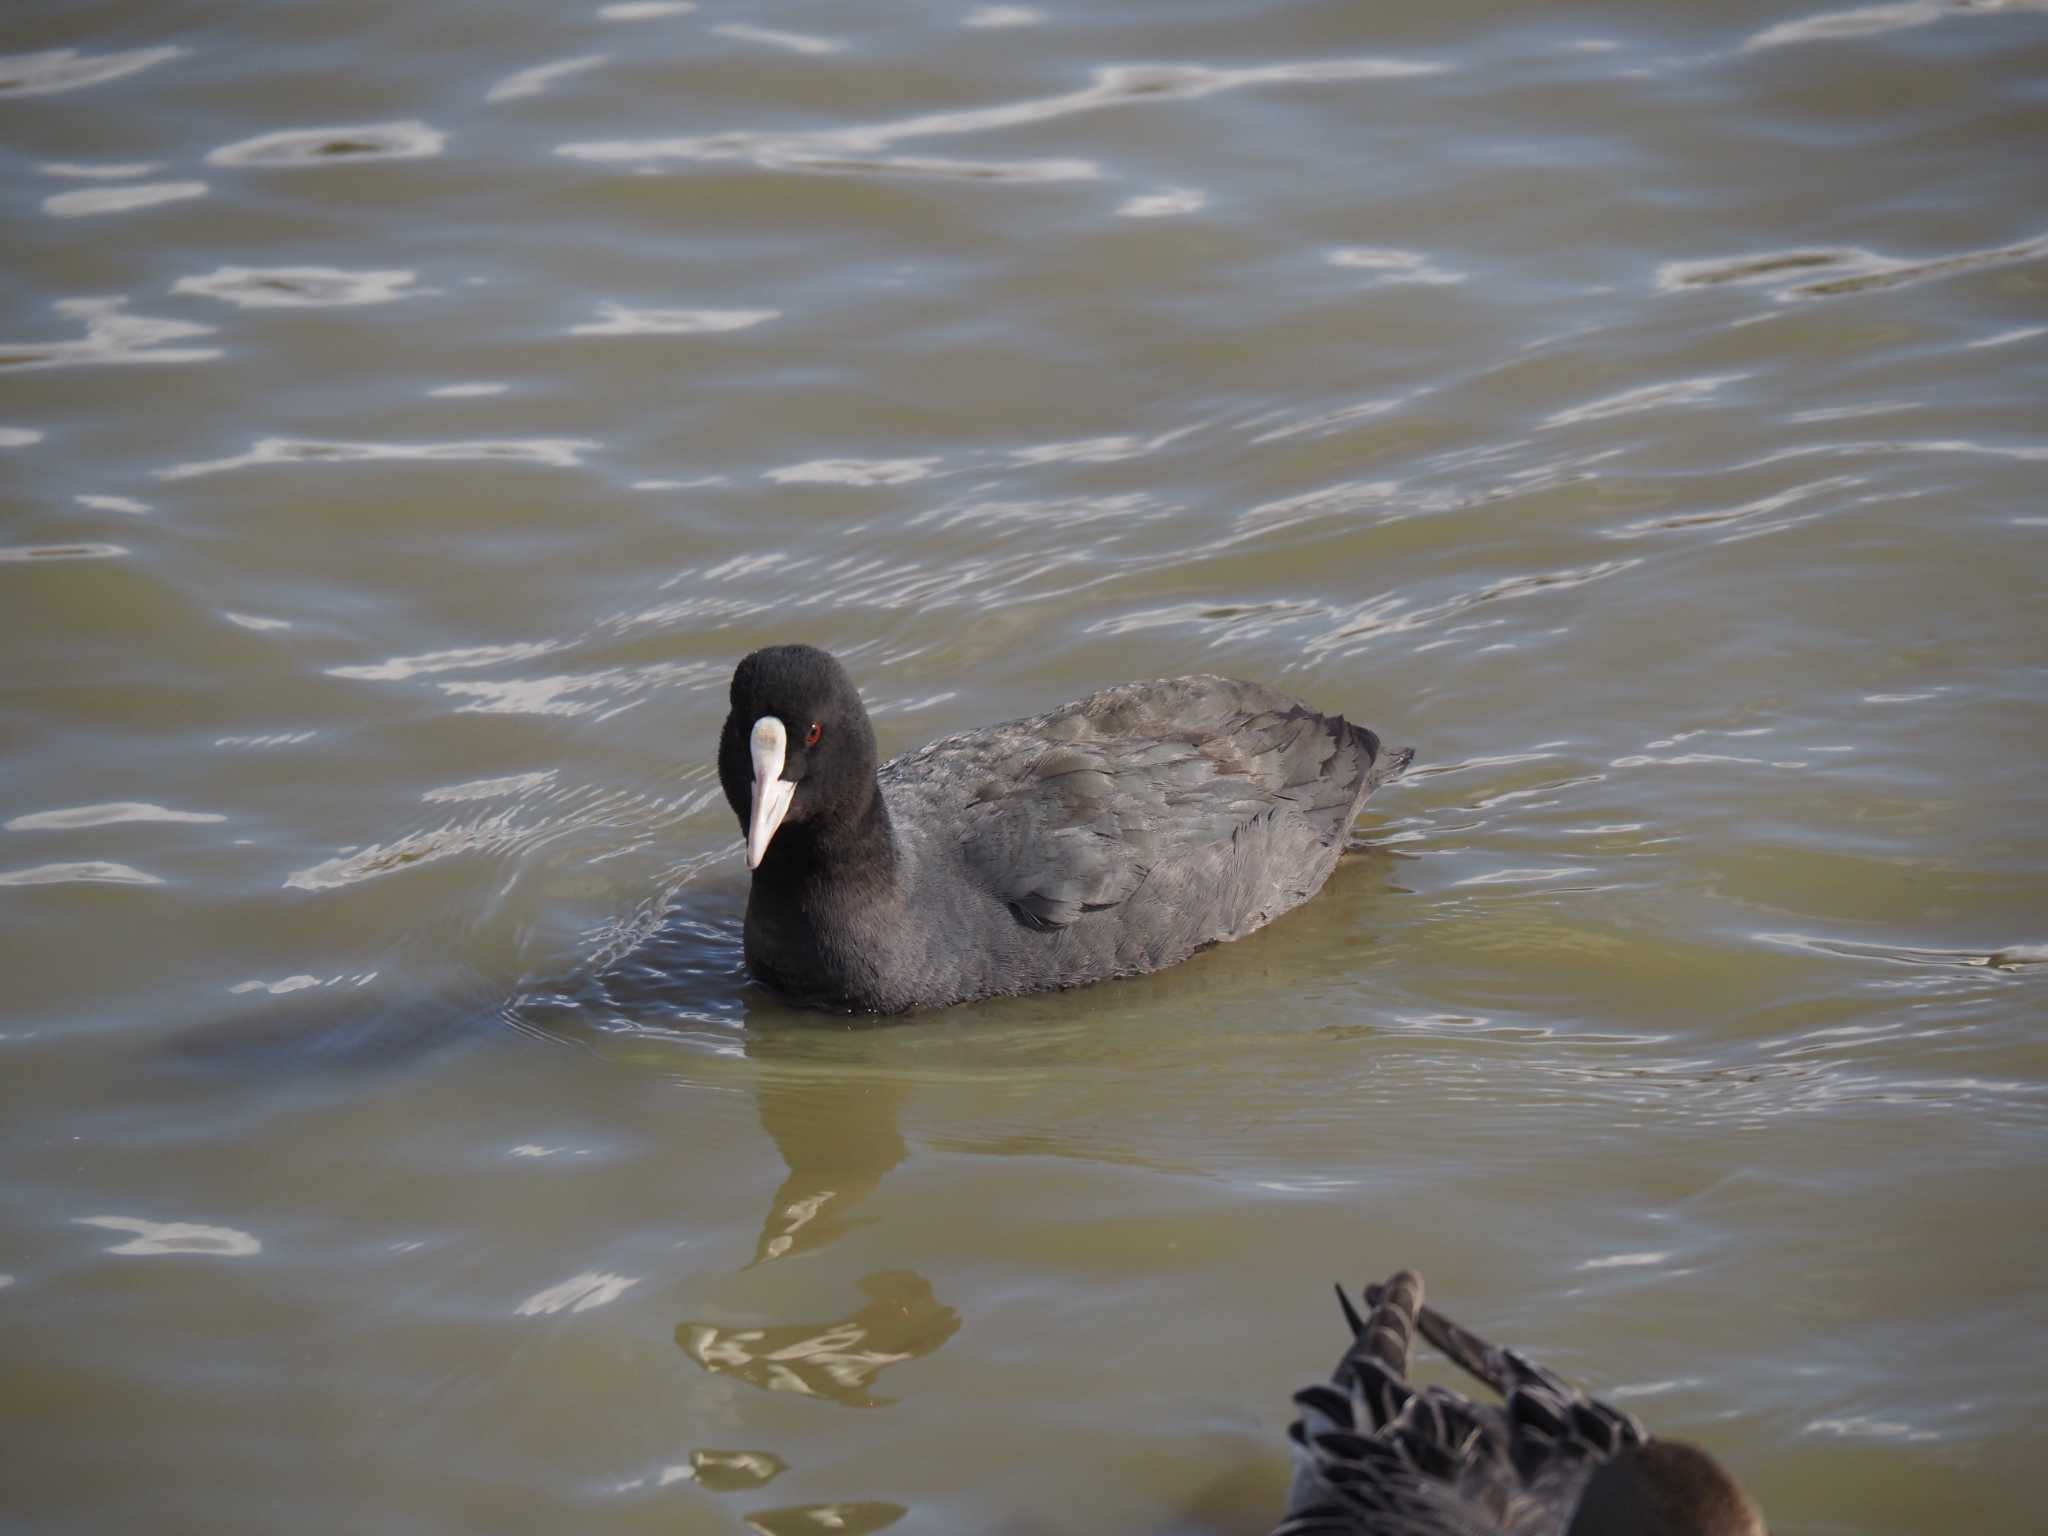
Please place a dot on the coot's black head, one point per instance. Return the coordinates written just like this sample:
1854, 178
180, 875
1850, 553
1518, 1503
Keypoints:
797, 756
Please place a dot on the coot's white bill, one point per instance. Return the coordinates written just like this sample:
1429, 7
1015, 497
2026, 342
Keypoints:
769, 745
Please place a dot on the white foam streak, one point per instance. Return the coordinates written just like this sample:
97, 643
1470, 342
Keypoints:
162, 1237
548, 452
104, 815
619, 320
300, 287
579, 1293
1166, 203
645, 10
857, 472
66, 69
111, 336
535, 81
349, 145
769, 37
84, 872
97, 200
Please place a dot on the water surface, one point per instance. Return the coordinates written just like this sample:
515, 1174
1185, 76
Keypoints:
406, 420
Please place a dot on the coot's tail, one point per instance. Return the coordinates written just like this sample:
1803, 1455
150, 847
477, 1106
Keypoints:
1388, 766
1388, 763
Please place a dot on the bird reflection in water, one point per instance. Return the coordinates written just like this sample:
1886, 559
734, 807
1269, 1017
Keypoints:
837, 1360
732, 1471
842, 1519
838, 1138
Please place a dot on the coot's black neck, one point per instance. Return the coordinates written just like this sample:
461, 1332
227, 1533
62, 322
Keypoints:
845, 850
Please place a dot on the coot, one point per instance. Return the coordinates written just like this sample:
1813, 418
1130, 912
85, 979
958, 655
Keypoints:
1375, 1455
1116, 835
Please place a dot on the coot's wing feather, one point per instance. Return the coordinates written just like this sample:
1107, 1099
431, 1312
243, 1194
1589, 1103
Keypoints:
1069, 812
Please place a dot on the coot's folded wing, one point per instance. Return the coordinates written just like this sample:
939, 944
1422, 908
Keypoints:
1068, 813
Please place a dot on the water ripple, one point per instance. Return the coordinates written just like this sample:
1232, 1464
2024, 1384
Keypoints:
1166, 203
1869, 20
1385, 614
491, 789
1345, 499
790, 42
493, 833
1628, 1261
2011, 959
66, 69
857, 472
111, 336
645, 10
536, 80
619, 320
79, 171
287, 985
160, 1237
863, 1518
1322, 423
1759, 516
614, 690
103, 816
300, 287
579, 1293
97, 200
84, 872
461, 658
997, 17
24, 554
1833, 271
410, 140
550, 452
1645, 397
1390, 267
855, 148
1098, 450
2007, 338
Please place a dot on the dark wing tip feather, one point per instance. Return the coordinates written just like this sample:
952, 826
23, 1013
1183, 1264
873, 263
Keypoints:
1351, 1313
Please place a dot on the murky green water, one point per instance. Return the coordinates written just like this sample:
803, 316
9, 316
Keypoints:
408, 413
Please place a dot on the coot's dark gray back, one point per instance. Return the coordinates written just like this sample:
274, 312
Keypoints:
1121, 832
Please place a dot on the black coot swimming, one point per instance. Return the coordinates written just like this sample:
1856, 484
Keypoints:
1116, 835
1375, 1455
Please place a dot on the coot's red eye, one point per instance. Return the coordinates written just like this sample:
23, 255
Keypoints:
811, 736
